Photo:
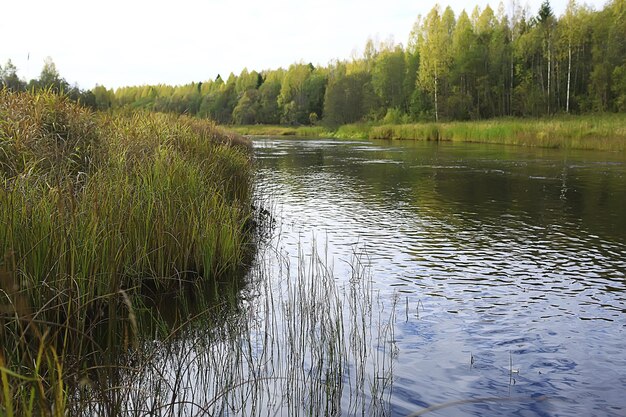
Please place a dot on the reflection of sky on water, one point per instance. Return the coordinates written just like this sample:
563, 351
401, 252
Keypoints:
502, 259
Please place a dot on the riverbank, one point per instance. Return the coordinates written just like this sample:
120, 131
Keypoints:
605, 132
94, 209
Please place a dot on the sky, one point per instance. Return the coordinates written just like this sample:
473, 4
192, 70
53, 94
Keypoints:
135, 42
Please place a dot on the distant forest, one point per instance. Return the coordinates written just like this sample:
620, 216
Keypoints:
473, 66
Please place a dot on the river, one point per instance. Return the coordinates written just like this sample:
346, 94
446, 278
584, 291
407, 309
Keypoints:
506, 265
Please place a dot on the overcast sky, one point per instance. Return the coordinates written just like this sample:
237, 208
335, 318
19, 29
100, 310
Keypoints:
134, 42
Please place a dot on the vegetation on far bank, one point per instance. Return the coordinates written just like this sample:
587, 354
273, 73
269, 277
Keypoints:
94, 209
606, 132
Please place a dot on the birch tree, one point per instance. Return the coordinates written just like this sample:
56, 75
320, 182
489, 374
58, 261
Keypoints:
570, 33
546, 22
435, 51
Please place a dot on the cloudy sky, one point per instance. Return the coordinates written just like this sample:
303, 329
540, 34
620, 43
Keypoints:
134, 42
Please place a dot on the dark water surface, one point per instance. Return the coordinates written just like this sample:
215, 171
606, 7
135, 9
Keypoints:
507, 265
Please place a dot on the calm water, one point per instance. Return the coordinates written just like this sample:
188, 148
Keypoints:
507, 265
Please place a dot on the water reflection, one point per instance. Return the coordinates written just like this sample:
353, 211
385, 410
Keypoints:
507, 259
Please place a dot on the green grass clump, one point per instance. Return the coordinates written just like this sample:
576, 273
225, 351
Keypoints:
273, 130
93, 208
426, 131
353, 131
313, 132
265, 130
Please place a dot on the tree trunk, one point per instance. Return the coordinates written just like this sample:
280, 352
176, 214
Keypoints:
569, 74
436, 103
549, 71
436, 99
511, 91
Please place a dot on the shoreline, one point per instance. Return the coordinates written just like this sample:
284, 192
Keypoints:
604, 132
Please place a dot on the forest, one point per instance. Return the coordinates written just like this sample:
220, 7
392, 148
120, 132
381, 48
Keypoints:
479, 65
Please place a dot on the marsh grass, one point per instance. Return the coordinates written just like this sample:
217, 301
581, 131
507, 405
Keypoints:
94, 208
277, 130
605, 132
265, 130
350, 131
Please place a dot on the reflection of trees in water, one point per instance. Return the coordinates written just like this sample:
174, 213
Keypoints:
473, 181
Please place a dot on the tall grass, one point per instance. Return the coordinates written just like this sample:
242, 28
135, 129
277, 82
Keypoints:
353, 131
606, 132
599, 132
94, 208
276, 130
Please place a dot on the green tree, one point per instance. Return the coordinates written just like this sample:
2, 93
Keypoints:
49, 78
247, 81
435, 51
484, 23
369, 55
293, 98
104, 98
388, 74
412, 62
219, 104
619, 87
349, 96
247, 110
517, 26
608, 53
529, 97
501, 57
497, 39
465, 68
314, 91
570, 31
417, 106
9, 78
269, 111
546, 23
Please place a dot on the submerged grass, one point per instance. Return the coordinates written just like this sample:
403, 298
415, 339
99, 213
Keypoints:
300, 342
93, 209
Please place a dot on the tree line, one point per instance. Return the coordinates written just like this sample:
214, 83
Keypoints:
483, 64
49, 79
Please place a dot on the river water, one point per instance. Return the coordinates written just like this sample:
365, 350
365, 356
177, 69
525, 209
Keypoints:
506, 265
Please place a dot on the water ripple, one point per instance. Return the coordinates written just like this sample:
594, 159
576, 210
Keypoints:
505, 260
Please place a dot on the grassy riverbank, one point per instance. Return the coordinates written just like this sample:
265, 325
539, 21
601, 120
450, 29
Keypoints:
598, 132
351, 131
276, 130
93, 209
